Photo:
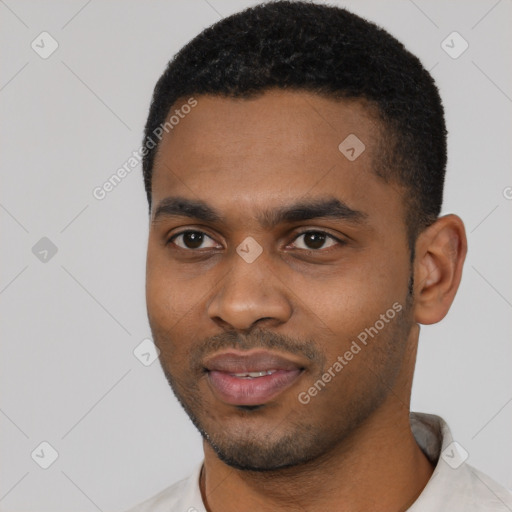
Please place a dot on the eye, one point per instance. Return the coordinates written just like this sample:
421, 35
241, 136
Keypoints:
314, 240
191, 240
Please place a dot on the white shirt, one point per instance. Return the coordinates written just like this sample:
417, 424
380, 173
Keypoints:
453, 487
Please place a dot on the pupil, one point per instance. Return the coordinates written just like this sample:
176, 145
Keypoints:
193, 239
315, 240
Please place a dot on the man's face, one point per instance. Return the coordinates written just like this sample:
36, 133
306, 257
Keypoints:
247, 326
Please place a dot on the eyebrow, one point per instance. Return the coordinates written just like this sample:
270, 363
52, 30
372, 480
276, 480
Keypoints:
327, 208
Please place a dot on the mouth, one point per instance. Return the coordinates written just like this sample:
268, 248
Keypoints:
251, 378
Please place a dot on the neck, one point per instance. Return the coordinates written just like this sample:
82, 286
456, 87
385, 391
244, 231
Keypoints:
378, 467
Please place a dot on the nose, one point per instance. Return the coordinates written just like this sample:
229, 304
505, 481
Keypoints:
248, 294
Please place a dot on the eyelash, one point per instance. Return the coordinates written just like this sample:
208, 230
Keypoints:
305, 232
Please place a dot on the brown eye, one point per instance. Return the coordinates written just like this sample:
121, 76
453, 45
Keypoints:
191, 240
315, 240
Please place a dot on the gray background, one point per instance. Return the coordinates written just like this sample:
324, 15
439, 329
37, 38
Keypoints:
70, 323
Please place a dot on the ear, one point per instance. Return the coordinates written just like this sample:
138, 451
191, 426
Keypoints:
439, 257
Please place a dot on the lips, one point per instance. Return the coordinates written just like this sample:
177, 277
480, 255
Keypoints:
250, 378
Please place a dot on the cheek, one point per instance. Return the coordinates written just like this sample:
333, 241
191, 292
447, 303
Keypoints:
352, 301
356, 293
158, 291
175, 306
168, 301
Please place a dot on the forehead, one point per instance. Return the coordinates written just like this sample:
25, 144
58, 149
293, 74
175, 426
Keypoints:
277, 123
279, 146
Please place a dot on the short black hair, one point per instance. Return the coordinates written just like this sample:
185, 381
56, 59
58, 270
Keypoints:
301, 45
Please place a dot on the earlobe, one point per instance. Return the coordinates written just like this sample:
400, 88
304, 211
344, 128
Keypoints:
440, 253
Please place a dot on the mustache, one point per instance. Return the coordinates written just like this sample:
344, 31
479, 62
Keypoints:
256, 339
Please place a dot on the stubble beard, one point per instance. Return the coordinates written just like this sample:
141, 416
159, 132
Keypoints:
303, 435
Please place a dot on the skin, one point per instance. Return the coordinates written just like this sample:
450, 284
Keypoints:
350, 448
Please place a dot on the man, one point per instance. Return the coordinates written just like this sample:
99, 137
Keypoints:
294, 168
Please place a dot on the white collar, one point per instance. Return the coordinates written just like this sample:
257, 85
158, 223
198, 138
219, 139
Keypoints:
454, 486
